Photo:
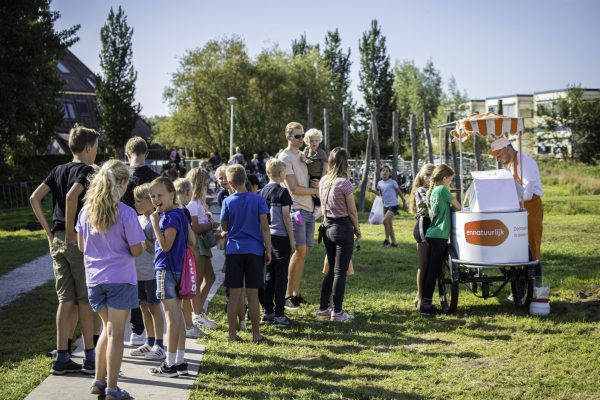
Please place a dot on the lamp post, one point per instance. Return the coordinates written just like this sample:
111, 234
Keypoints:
232, 100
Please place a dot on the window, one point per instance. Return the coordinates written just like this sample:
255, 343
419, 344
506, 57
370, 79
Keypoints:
82, 106
509, 110
63, 68
492, 109
90, 80
546, 105
68, 110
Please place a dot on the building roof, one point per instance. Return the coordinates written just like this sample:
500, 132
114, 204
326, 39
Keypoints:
77, 77
510, 95
564, 90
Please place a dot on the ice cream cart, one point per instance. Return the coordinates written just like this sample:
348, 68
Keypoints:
489, 239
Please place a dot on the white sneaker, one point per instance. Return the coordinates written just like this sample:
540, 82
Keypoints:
201, 321
137, 340
155, 353
141, 351
194, 333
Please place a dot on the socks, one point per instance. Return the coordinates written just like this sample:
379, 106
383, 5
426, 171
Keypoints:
159, 342
70, 345
179, 357
62, 356
96, 337
170, 359
150, 341
90, 354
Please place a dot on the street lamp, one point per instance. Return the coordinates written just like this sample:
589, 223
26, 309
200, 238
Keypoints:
232, 100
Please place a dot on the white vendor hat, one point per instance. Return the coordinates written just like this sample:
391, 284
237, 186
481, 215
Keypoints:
498, 145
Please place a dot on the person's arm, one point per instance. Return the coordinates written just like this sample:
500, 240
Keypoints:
264, 226
150, 246
223, 228
399, 193
165, 240
297, 190
287, 222
374, 185
455, 204
36, 204
80, 242
136, 250
531, 178
353, 214
200, 228
70, 210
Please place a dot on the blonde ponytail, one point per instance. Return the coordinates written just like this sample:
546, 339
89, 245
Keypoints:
104, 194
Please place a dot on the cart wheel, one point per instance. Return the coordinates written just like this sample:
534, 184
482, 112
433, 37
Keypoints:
448, 288
522, 289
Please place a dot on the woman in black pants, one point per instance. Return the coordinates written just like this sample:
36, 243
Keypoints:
341, 225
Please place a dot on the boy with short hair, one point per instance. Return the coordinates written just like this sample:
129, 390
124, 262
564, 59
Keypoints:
68, 183
279, 201
136, 150
244, 222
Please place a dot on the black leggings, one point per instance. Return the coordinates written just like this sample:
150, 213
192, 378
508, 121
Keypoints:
437, 251
339, 244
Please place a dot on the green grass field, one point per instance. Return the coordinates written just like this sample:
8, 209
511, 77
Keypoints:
487, 350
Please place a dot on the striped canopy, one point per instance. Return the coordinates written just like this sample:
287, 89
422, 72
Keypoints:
494, 125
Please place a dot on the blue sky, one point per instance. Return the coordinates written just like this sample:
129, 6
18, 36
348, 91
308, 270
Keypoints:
491, 48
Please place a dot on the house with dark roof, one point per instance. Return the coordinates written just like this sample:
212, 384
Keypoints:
79, 103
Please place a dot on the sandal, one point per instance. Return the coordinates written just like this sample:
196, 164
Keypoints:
117, 394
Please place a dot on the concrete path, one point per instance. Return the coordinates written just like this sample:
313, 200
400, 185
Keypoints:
134, 375
25, 278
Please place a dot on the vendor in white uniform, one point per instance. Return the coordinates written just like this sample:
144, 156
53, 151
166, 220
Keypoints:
532, 185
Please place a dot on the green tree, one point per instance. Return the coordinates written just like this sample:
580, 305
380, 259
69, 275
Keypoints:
338, 62
376, 81
408, 93
301, 47
30, 49
115, 87
580, 118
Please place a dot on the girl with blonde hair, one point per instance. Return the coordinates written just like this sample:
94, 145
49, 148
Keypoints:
201, 225
110, 236
418, 206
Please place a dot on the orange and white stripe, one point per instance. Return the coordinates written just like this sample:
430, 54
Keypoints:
495, 125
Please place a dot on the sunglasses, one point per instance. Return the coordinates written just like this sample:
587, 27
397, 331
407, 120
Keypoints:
298, 136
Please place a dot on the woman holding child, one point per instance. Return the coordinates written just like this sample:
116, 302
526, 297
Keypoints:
341, 225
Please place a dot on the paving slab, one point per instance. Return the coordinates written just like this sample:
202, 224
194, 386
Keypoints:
134, 375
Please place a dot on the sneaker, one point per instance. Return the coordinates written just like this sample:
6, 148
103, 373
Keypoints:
385, 244
117, 394
137, 340
428, 311
98, 388
89, 367
291, 304
341, 316
268, 318
324, 314
282, 322
182, 369
164, 371
394, 245
201, 321
140, 351
155, 353
194, 333
68, 367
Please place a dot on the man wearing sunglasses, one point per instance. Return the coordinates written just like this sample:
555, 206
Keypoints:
303, 224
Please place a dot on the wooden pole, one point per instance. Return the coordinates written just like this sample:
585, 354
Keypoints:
326, 131
365, 177
414, 144
344, 128
395, 144
309, 117
428, 136
375, 135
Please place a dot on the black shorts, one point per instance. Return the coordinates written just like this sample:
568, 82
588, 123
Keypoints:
393, 209
421, 229
248, 268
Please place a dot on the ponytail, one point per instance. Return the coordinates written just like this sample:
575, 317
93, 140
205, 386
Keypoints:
104, 194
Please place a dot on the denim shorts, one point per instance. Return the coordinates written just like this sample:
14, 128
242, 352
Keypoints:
147, 291
304, 234
120, 296
166, 284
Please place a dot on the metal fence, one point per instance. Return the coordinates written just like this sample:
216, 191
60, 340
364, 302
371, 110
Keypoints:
14, 196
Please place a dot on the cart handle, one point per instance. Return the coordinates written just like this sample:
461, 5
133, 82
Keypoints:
495, 265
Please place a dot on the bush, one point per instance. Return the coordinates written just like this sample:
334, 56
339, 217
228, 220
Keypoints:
574, 177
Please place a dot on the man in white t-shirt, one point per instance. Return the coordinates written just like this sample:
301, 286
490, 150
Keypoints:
303, 222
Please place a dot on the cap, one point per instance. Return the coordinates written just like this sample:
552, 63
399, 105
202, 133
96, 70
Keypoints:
498, 145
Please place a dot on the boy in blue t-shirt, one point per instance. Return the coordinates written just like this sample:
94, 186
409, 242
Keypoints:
279, 202
244, 222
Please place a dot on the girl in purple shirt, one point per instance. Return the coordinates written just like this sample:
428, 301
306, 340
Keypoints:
110, 236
